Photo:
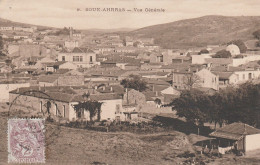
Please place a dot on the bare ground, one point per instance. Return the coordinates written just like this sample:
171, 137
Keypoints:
78, 146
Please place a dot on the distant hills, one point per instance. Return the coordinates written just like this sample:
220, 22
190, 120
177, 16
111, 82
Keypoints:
201, 31
5, 22
196, 32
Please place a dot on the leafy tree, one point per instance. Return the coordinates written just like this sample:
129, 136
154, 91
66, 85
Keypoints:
93, 107
204, 51
222, 54
158, 101
234, 104
256, 34
136, 43
240, 44
134, 82
193, 105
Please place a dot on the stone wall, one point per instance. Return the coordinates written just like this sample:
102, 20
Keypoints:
37, 106
73, 80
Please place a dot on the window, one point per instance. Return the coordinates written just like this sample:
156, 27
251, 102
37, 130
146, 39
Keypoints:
249, 76
80, 114
41, 106
244, 77
63, 58
56, 109
80, 58
64, 111
117, 108
75, 58
90, 59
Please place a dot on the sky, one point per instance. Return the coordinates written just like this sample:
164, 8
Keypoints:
63, 13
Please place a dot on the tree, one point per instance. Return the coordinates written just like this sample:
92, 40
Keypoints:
134, 82
158, 101
256, 34
222, 54
240, 44
233, 104
93, 107
191, 80
136, 43
204, 51
193, 105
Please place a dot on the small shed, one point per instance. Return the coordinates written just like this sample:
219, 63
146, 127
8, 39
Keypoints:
238, 136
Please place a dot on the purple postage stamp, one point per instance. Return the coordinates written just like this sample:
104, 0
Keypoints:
26, 142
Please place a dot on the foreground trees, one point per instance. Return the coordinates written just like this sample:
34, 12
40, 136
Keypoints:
229, 105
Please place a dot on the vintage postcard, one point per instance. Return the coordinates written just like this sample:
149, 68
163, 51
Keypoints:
130, 82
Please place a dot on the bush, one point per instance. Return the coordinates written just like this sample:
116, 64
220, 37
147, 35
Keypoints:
204, 51
222, 54
240, 44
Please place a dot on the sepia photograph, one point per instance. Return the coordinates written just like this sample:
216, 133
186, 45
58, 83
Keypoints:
130, 82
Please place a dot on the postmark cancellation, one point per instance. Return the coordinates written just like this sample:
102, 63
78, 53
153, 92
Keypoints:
26, 140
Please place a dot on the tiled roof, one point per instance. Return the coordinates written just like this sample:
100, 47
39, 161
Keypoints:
158, 82
48, 78
149, 95
122, 59
235, 131
155, 73
223, 75
115, 89
227, 68
58, 63
64, 94
82, 50
221, 61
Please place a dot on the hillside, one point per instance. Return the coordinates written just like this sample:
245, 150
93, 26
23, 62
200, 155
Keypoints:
5, 22
201, 31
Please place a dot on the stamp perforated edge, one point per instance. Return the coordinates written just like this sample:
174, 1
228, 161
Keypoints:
8, 138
